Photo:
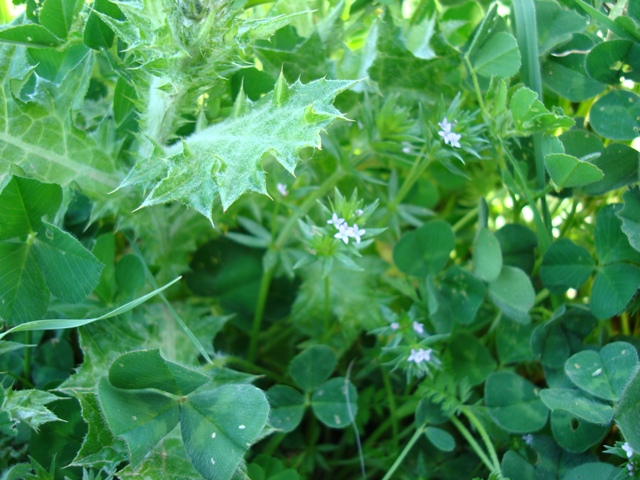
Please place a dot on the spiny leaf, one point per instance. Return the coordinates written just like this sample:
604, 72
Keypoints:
224, 159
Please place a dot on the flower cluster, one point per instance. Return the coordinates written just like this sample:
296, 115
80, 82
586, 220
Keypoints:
345, 232
449, 137
629, 451
420, 355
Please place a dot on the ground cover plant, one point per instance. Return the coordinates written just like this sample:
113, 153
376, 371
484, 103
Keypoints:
319, 239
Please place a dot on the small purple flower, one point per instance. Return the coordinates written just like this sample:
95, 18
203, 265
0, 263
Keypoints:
418, 328
395, 326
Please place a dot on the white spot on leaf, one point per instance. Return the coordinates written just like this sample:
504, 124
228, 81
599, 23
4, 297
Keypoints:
213, 462
597, 372
213, 435
241, 427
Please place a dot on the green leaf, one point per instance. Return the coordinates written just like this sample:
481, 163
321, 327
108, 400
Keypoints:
100, 447
628, 412
56, 324
487, 256
142, 418
630, 216
23, 291
468, 359
456, 296
426, 250
578, 404
97, 34
31, 35
430, 411
499, 56
513, 403
517, 243
224, 159
612, 245
575, 434
610, 60
513, 342
57, 16
313, 366
335, 403
600, 470
70, 270
147, 369
441, 439
560, 336
218, 426
514, 466
603, 374
556, 24
27, 406
619, 163
395, 67
616, 115
38, 135
565, 72
513, 293
24, 203
104, 250
568, 171
287, 407
566, 265
52, 363
530, 115
613, 288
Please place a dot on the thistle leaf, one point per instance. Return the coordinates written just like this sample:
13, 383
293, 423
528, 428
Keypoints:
225, 159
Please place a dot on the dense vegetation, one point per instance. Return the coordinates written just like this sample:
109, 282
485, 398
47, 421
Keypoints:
319, 239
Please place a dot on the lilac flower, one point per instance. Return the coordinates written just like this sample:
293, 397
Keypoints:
395, 326
282, 188
343, 233
337, 222
420, 355
449, 137
418, 328
355, 232
627, 448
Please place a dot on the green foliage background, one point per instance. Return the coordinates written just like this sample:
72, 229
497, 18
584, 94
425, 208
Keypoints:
301, 239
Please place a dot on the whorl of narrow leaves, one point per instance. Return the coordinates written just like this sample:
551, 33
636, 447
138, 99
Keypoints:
224, 159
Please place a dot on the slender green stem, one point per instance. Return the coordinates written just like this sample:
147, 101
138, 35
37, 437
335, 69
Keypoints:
472, 441
327, 304
253, 368
466, 411
265, 284
470, 215
405, 451
404, 410
392, 407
